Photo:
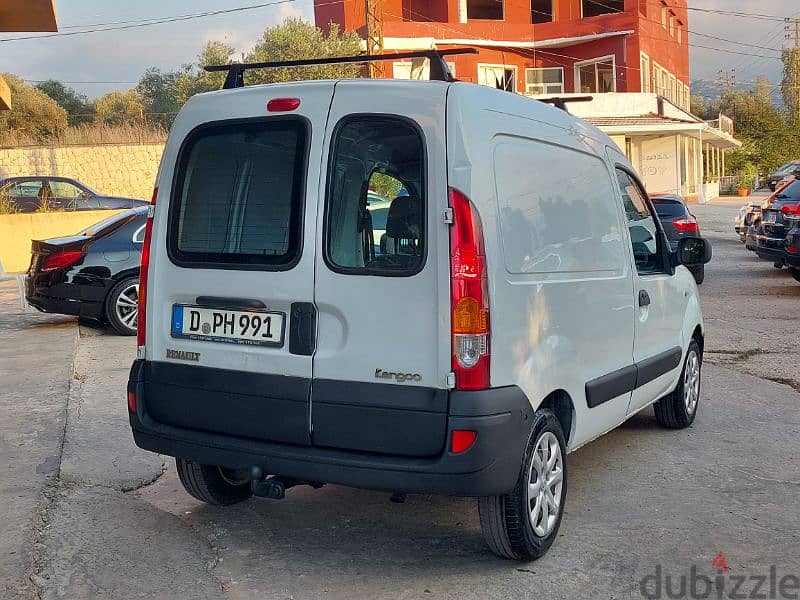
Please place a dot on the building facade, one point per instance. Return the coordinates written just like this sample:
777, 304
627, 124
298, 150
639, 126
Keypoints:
631, 56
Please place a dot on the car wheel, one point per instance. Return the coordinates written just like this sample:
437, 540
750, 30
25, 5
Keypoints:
678, 409
699, 274
795, 273
213, 485
522, 525
122, 306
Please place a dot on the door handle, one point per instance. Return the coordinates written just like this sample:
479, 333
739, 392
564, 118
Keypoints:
644, 298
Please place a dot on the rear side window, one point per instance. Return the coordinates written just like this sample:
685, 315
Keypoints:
238, 195
375, 219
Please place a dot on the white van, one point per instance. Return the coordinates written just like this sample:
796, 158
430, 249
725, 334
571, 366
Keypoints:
522, 302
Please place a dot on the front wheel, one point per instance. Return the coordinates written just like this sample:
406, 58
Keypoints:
122, 306
522, 525
678, 409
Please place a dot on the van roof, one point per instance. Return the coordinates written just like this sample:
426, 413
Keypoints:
490, 99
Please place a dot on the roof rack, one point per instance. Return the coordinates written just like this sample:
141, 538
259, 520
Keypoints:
561, 103
439, 71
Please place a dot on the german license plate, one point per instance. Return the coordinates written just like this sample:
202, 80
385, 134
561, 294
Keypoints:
247, 327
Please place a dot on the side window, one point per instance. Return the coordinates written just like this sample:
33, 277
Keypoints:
66, 190
25, 189
642, 225
376, 198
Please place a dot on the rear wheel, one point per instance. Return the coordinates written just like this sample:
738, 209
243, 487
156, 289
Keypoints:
678, 409
213, 485
122, 306
522, 525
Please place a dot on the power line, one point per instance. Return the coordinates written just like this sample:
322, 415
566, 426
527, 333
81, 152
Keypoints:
139, 23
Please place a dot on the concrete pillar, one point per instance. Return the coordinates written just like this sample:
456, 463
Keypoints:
723, 172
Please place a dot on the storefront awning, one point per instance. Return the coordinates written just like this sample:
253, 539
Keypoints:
654, 125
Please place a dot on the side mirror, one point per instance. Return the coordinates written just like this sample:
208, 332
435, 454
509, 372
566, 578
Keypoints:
693, 251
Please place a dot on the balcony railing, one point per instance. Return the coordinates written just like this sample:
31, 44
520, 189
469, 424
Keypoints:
723, 123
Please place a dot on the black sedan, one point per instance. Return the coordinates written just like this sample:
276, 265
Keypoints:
678, 223
92, 274
29, 194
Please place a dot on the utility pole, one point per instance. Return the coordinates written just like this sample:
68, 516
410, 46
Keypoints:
790, 86
727, 79
374, 22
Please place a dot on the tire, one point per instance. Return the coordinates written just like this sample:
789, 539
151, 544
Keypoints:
795, 273
212, 485
121, 306
679, 409
506, 521
699, 274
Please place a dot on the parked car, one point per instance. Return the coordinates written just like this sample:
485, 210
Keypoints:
792, 244
678, 223
530, 304
29, 194
790, 168
92, 274
747, 215
771, 237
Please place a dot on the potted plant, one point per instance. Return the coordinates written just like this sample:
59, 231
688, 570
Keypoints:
747, 179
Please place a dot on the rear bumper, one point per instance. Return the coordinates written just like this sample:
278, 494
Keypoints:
66, 306
768, 249
501, 417
51, 293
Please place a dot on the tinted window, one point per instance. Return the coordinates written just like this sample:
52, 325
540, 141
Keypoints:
376, 197
24, 189
64, 189
669, 208
642, 225
239, 193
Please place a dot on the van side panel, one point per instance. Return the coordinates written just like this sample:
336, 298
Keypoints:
560, 283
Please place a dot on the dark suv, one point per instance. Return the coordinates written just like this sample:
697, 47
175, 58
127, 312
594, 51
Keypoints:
770, 240
678, 223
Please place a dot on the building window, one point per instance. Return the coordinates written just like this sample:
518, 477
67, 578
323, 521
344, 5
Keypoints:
680, 32
673, 89
544, 81
485, 9
644, 68
671, 25
419, 69
541, 11
664, 15
597, 76
502, 77
593, 8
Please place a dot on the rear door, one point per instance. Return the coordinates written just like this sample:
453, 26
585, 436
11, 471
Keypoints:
233, 268
382, 358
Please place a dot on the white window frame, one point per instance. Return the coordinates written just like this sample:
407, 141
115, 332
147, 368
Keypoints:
664, 15
609, 58
482, 66
644, 73
672, 19
545, 86
673, 88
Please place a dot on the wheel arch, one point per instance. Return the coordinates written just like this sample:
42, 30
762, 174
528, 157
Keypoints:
560, 402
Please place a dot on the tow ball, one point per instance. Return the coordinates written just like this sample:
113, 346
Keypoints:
274, 487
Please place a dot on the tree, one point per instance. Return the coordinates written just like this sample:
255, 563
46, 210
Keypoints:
33, 113
158, 95
790, 86
78, 107
117, 108
195, 80
295, 39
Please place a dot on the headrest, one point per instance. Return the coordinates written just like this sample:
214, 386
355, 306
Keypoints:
404, 218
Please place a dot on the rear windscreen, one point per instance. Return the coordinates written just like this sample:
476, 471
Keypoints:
668, 208
238, 195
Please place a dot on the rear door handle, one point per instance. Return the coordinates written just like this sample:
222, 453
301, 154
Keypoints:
644, 298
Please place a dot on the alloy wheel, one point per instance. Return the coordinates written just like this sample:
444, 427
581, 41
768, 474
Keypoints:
127, 306
545, 484
691, 382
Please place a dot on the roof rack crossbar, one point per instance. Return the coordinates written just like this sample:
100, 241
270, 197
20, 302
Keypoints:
561, 103
439, 71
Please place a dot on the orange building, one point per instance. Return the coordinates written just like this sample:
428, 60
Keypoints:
540, 46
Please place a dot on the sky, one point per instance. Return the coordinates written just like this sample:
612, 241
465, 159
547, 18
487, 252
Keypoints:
97, 63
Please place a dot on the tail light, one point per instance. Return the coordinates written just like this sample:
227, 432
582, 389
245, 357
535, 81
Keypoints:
469, 296
61, 260
687, 224
791, 209
140, 317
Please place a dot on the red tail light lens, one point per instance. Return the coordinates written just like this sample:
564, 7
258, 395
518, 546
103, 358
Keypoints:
140, 317
686, 225
62, 260
462, 440
469, 296
283, 104
132, 402
791, 209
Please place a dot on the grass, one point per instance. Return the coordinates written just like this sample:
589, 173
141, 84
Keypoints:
88, 135
741, 354
7, 207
